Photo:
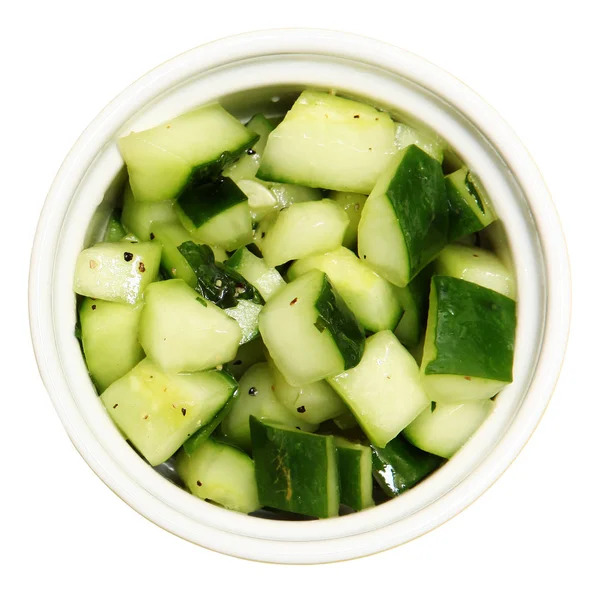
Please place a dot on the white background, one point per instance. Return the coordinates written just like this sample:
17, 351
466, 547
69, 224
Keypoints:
535, 62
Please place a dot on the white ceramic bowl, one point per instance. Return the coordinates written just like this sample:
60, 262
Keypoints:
247, 73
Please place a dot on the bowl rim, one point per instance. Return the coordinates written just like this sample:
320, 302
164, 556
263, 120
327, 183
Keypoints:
416, 69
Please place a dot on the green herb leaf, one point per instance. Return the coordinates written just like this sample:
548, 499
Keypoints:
433, 406
201, 301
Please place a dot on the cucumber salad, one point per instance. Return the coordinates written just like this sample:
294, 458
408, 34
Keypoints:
300, 316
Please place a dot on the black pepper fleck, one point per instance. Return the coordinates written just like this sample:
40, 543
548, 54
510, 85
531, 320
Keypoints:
236, 362
93, 307
127, 256
141, 267
151, 236
115, 406
252, 391
356, 116
301, 409
198, 482
293, 302
262, 235
183, 411
250, 152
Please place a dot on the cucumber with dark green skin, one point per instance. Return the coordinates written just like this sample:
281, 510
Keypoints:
216, 282
202, 434
469, 208
406, 214
114, 229
474, 331
295, 471
415, 300
355, 467
400, 466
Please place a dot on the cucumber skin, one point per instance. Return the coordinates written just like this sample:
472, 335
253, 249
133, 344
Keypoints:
293, 470
353, 471
461, 220
341, 323
400, 466
474, 331
423, 219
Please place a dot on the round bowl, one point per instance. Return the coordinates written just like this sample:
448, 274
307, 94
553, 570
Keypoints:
260, 71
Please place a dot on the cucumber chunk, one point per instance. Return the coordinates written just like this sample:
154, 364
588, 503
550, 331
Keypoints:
189, 149
470, 209
246, 314
329, 142
345, 421
445, 428
222, 474
170, 235
182, 332
114, 229
248, 354
352, 205
373, 300
404, 224
476, 265
314, 402
158, 411
118, 272
256, 397
428, 142
304, 229
295, 471
414, 298
400, 466
137, 217
261, 200
355, 465
469, 343
266, 280
287, 194
321, 335
110, 342
216, 213
384, 391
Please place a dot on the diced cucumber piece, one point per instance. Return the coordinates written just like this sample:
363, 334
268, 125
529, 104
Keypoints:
256, 397
309, 331
216, 213
384, 391
246, 314
444, 428
470, 209
304, 229
158, 411
114, 229
204, 432
414, 298
110, 342
476, 265
248, 354
345, 421
372, 299
170, 235
400, 466
469, 343
222, 474
118, 272
329, 142
266, 280
214, 281
182, 332
164, 160
353, 205
428, 142
314, 403
404, 223
295, 471
137, 217
355, 467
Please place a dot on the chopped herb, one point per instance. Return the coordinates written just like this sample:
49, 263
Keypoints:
201, 301
128, 256
78, 330
301, 409
433, 406
252, 391
183, 411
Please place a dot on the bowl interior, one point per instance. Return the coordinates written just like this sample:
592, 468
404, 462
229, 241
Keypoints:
268, 82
